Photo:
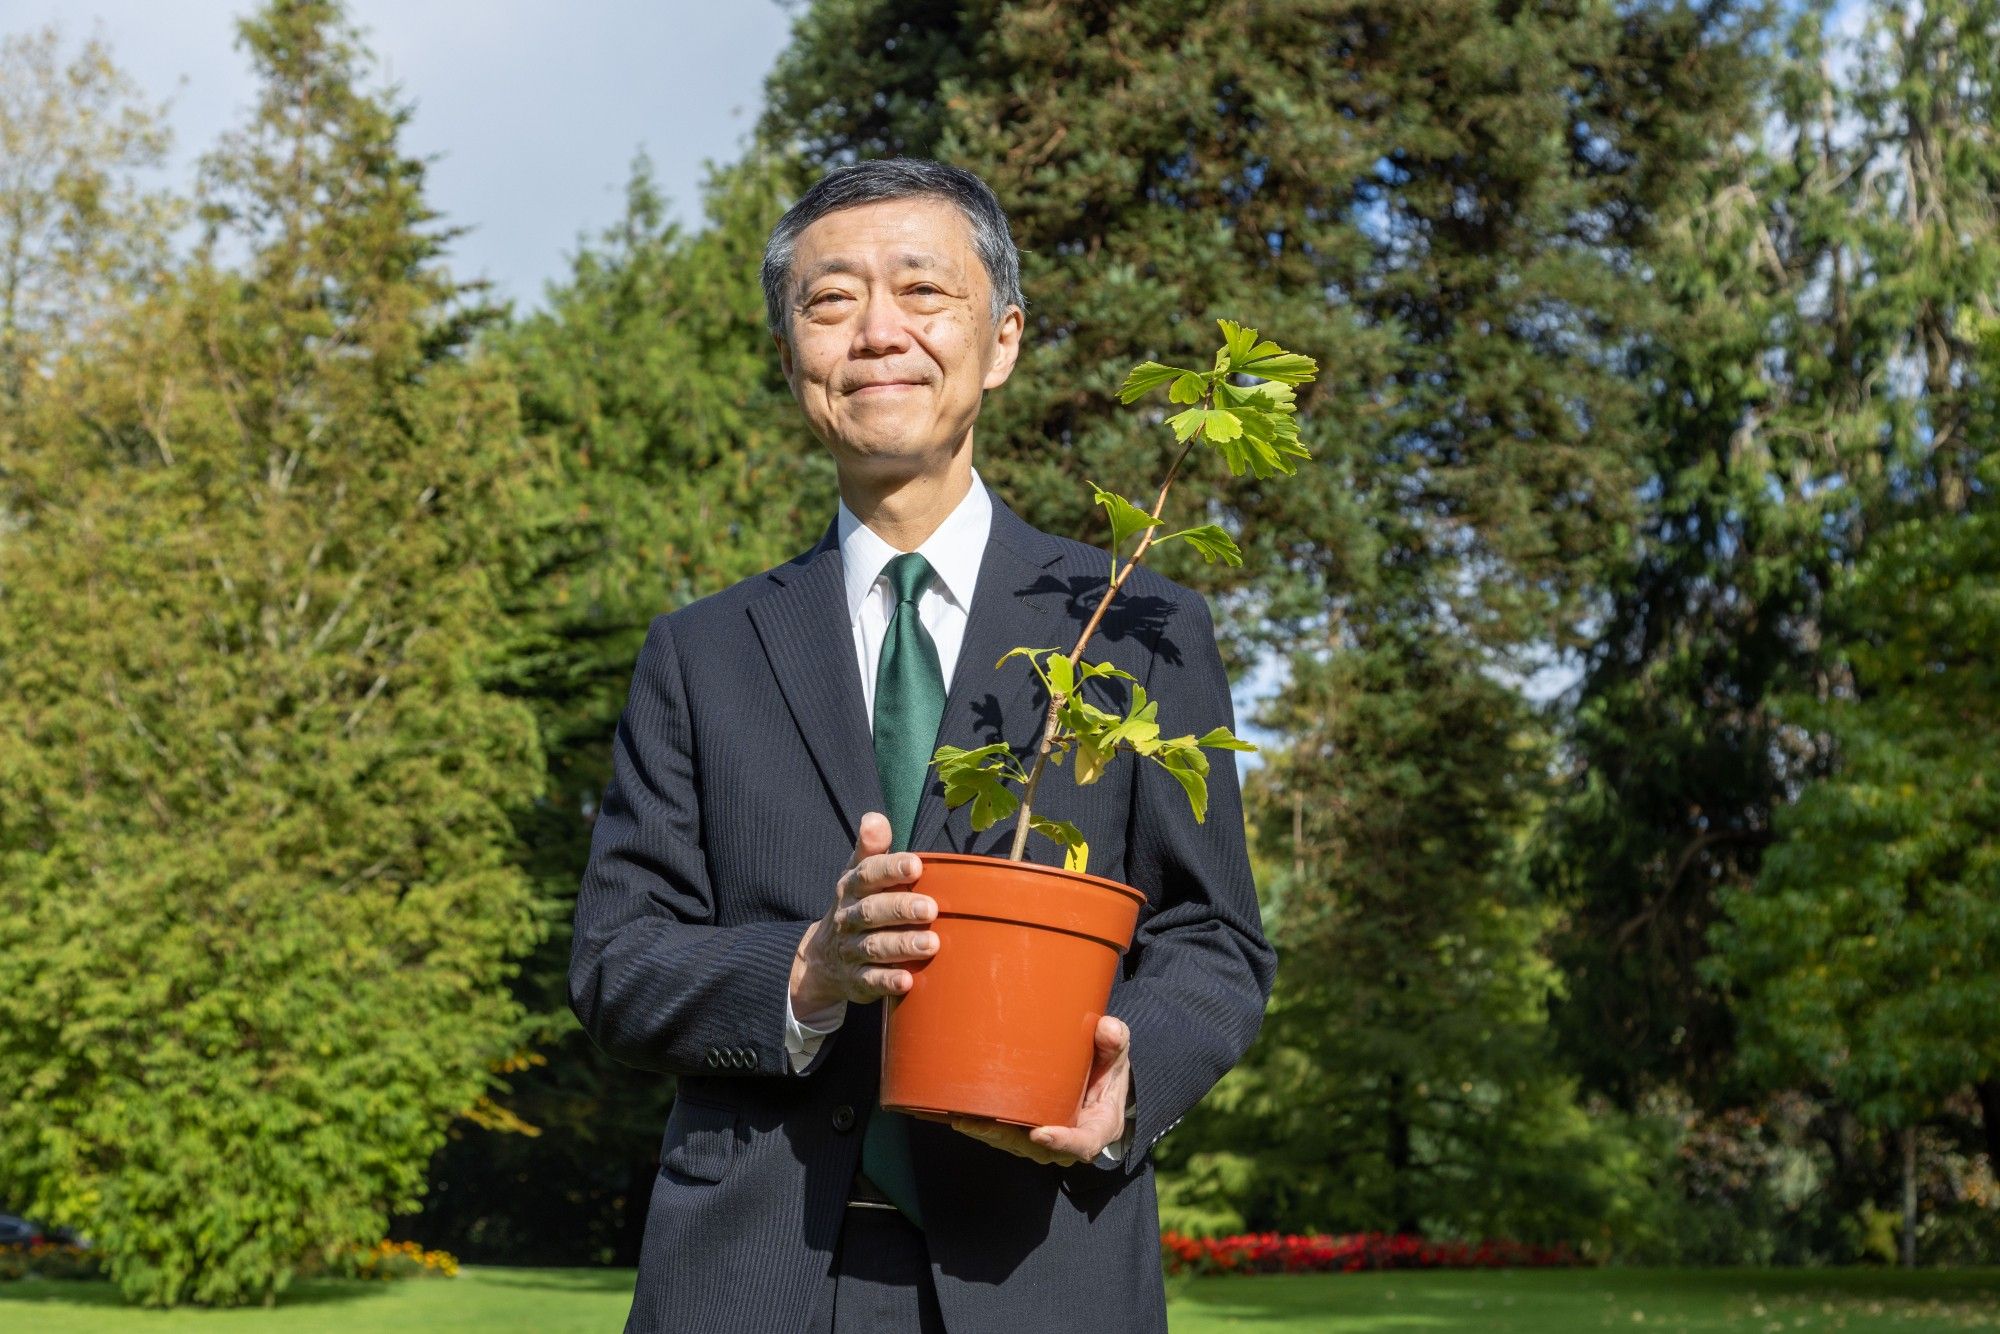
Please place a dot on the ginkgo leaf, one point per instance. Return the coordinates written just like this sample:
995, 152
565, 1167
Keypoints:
1278, 364
1211, 541
1222, 738
1146, 377
979, 776
1076, 852
1126, 518
1189, 388
1187, 423
1223, 425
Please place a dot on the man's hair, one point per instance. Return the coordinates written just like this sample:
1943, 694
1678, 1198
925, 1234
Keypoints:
894, 178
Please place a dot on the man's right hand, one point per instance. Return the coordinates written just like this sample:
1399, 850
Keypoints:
874, 924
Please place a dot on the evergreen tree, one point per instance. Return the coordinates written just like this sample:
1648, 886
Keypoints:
258, 903
1865, 959
1815, 384
679, 465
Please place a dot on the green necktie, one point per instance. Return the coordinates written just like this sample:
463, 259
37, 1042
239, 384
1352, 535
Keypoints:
909, 704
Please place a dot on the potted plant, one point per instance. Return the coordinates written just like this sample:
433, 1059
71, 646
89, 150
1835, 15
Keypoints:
1000, 1022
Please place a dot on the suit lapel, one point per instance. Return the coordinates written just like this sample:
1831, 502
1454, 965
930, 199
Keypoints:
806, 634
804, 628
1016, 603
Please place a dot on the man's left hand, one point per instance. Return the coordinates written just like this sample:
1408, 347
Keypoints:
1099, 1122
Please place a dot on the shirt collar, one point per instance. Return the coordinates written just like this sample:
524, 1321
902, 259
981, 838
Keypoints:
954, 550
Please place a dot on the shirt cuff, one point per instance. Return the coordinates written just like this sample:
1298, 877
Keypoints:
1114, 1153
803, 1036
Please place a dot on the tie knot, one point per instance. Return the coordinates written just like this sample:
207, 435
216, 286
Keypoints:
907, 575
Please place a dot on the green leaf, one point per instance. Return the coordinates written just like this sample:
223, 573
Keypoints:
1184, 760
1126, 518
1211, 541
1221, 738
1187, 423
1076, 852
1060, 674
1189, 388
1277, 364
1146, 377
1236, 341
1223, 425
1091, 670
979, 776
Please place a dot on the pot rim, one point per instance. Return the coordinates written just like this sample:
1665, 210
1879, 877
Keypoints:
980, 859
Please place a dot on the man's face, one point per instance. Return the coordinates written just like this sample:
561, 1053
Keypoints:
893, 340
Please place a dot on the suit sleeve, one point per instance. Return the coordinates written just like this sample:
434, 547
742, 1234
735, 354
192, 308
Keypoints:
1199, 972
653, 979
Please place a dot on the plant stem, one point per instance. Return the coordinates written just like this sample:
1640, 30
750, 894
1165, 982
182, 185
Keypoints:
1050, 722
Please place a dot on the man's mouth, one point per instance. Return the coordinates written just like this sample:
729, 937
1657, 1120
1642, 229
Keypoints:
884, 387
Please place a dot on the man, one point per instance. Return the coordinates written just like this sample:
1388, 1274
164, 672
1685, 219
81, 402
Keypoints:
749, 899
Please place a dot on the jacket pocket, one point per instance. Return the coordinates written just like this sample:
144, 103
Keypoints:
700, 1139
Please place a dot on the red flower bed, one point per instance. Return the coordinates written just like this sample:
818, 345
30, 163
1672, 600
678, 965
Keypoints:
1320, 1253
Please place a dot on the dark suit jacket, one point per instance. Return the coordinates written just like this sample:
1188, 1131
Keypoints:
741, 767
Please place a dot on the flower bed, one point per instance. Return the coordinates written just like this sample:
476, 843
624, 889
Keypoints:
49, 1259
1322, 1253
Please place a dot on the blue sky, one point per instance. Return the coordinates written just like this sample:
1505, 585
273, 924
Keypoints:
537, 108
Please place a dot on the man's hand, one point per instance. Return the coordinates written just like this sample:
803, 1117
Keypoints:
874, 924
1099, 1122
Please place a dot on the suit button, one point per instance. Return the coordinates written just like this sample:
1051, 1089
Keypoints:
843, 1118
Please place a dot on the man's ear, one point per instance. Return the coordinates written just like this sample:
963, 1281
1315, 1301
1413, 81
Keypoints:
784, 353
1006, 348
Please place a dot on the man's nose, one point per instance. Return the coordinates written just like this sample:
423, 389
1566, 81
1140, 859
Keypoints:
883, 328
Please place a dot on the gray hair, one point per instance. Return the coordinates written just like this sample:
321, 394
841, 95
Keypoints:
894, 178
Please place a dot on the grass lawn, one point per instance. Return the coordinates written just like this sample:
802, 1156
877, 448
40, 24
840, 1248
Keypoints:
1544, 1301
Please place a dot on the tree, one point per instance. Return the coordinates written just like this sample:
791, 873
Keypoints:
76, 230
1866, 958
1404, 1081
1813, 373
678, 466
258, 899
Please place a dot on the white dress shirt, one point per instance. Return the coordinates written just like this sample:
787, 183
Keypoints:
954, 551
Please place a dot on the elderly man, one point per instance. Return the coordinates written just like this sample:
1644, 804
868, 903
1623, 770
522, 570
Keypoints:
755, 884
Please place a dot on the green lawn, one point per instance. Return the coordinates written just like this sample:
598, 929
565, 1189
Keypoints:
560, 1301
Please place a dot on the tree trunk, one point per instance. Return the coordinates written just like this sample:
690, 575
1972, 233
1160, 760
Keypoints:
1909, 1197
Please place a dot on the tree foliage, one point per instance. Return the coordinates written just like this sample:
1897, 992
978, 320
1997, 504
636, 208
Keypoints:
257, 900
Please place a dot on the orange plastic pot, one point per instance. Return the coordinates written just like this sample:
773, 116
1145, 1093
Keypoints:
1002, 1019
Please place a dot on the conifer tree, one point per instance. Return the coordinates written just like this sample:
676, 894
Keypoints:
1816, 386
258, 899
678, 466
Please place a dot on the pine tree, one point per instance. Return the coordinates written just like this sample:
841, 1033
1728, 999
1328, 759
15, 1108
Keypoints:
258, 899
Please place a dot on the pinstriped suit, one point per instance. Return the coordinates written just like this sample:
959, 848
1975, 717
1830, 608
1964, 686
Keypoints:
741, 767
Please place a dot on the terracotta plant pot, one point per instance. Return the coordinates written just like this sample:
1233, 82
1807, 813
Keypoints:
1001, 1021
